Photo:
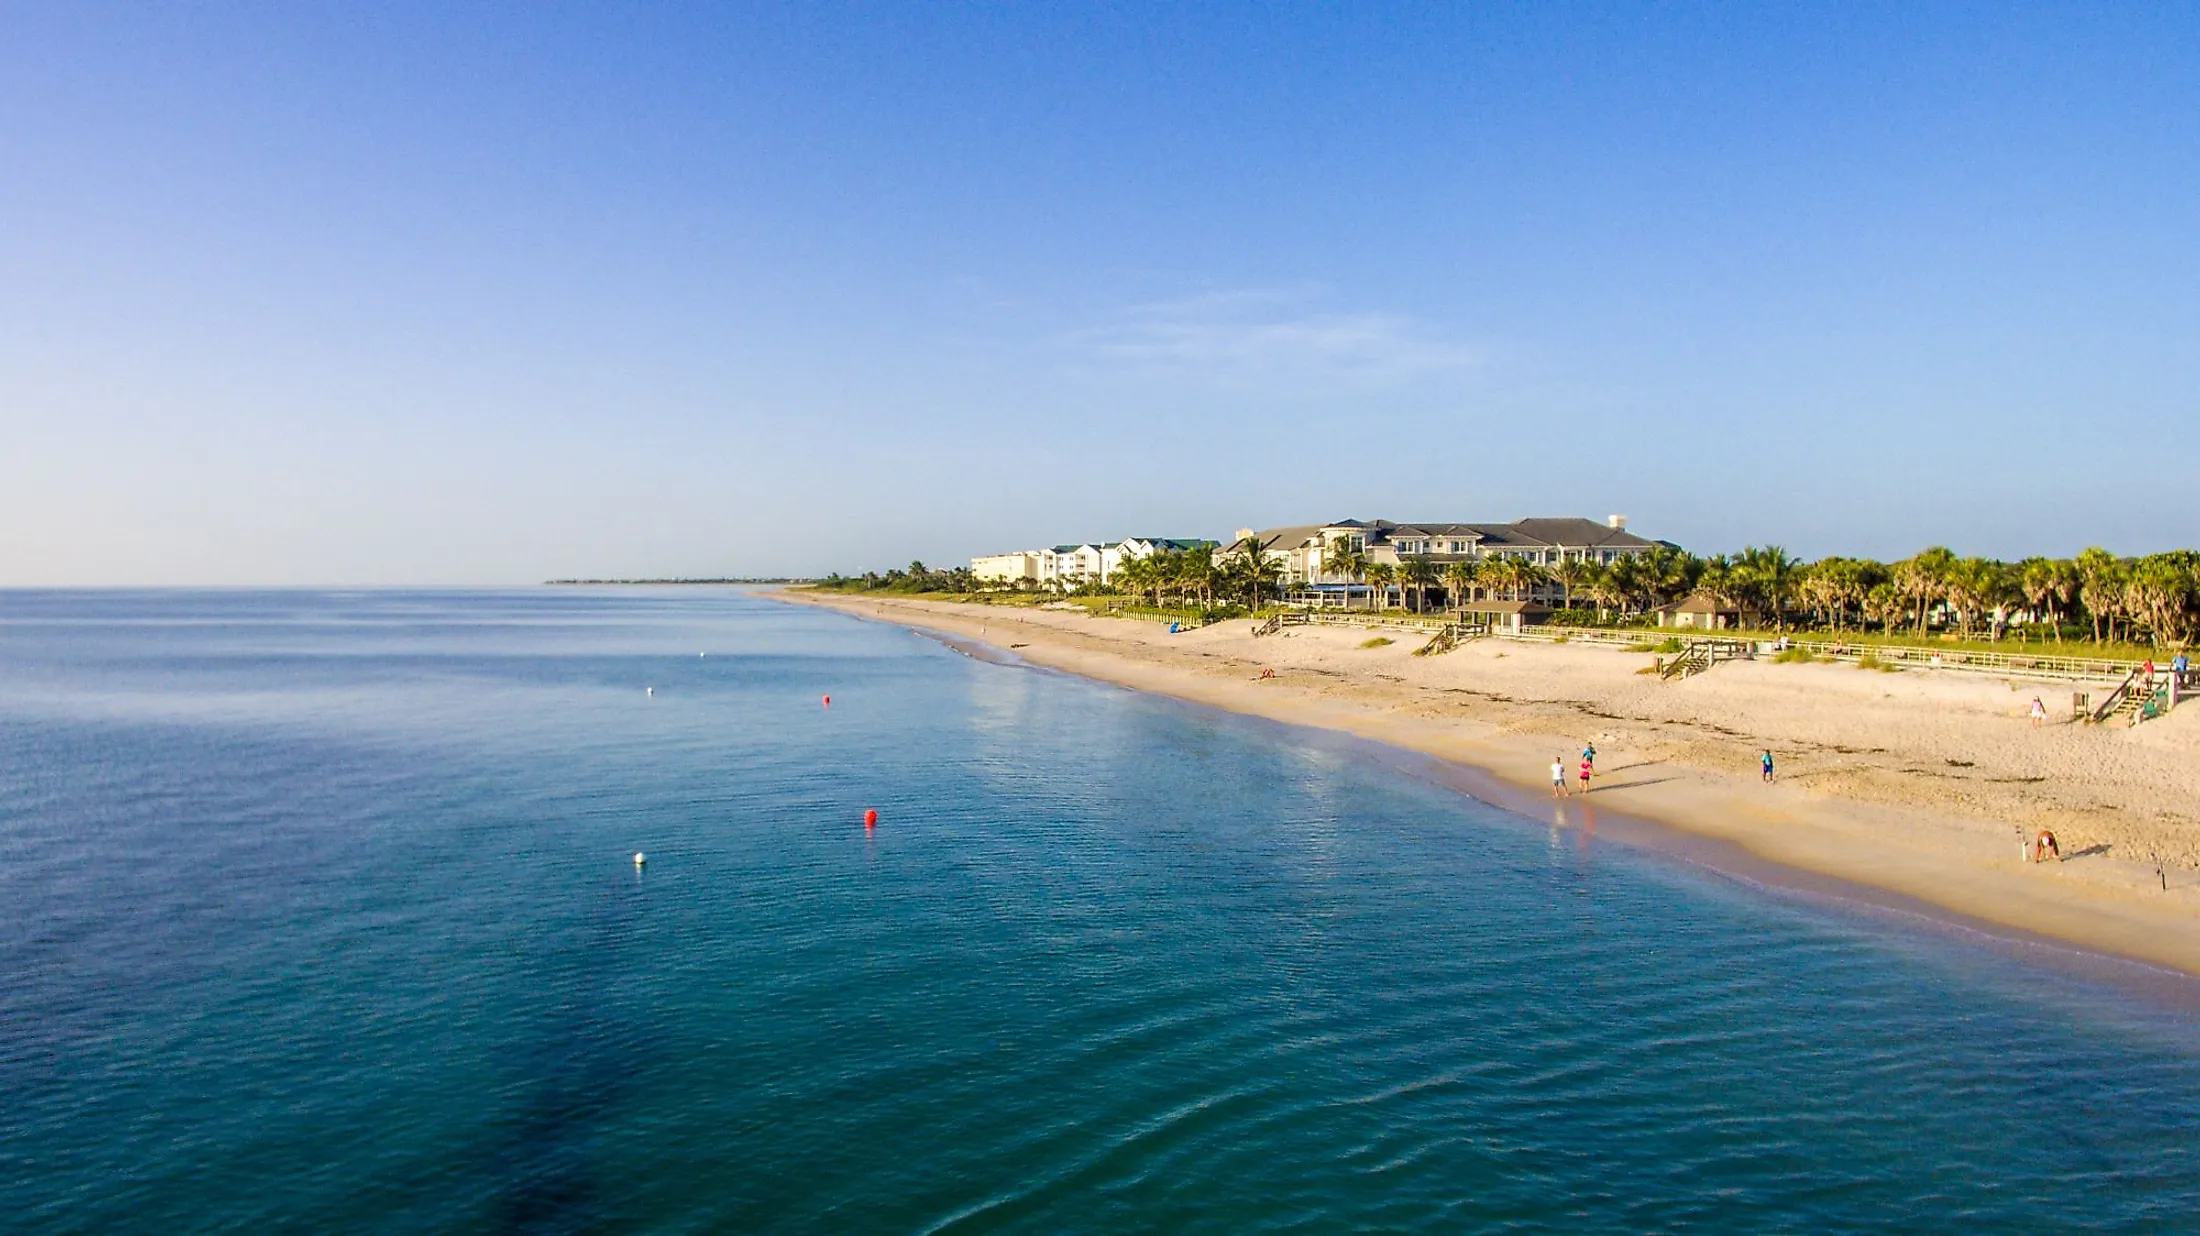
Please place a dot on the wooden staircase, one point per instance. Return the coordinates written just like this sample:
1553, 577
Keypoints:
2134, 700
1450, 637
1702, 654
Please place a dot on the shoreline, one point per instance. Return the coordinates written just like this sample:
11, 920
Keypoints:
1962, 873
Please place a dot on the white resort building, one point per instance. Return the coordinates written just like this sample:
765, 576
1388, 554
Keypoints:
1068, 566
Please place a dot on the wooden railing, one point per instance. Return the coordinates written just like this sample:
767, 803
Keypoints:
2020, 664
2030, 665
1450, 637
1702, 654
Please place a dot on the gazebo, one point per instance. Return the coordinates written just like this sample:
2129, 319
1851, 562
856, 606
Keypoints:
1701, 611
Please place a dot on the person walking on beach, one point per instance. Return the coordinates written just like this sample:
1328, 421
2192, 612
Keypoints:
1586, 768
2039, 712
1765, 762
1558, 777
1589, 754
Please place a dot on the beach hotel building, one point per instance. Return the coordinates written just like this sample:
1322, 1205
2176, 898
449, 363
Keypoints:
1071, 565
1302, 552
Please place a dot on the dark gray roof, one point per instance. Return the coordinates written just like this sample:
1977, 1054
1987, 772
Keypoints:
1288, 538
1532, 533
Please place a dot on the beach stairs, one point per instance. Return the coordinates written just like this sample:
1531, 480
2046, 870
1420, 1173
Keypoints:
2141, 704
1450, 636
1702, 654
1269, 626
2133, 700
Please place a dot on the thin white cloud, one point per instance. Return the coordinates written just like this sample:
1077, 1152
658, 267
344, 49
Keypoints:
1258, 338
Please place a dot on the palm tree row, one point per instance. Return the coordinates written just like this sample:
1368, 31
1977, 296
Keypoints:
2156, 596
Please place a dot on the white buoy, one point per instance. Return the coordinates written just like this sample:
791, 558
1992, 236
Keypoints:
651, 691
638, 859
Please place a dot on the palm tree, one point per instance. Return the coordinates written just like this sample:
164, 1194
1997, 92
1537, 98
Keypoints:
1344, 558
1722, 583
1196, 574
1379, 575
2160, 594
1608, 588
1254, 567
2101, 585
2048, 585
1821, 590
1666, 574
1458, 579
1924, 580
1628, 580
1772, 574
1571, 574
1493, 574
1973, 586
1842, 583
1528, 577
1418, 570
1884, 603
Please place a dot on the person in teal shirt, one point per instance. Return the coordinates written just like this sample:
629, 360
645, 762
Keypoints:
1766, 761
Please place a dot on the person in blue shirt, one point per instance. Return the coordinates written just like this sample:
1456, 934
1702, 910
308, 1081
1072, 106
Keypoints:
1765, 761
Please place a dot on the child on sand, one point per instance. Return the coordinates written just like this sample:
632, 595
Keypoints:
1558, 777
1765, 761
1585, 768
2039, 712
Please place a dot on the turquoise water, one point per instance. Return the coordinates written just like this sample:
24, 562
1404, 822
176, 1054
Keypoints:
319, 915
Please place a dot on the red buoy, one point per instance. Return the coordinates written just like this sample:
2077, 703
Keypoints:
828, 701
870, 819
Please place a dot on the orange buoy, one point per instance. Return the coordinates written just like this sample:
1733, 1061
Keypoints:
828, 701
870, 819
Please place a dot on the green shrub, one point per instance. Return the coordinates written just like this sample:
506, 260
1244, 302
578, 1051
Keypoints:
1793, 656
1378, 642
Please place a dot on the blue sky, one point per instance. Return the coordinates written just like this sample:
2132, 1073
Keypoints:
491, 293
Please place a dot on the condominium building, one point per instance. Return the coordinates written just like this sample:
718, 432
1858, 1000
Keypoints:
1302, 550
1071, 565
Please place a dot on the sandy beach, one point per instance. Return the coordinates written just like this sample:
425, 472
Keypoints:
1913, 783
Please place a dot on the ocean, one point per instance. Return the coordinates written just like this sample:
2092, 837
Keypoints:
318, 912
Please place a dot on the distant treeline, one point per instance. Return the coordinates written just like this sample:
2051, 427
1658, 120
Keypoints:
750, 579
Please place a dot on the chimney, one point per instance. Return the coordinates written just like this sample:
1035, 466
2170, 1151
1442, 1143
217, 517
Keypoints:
1618, 523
